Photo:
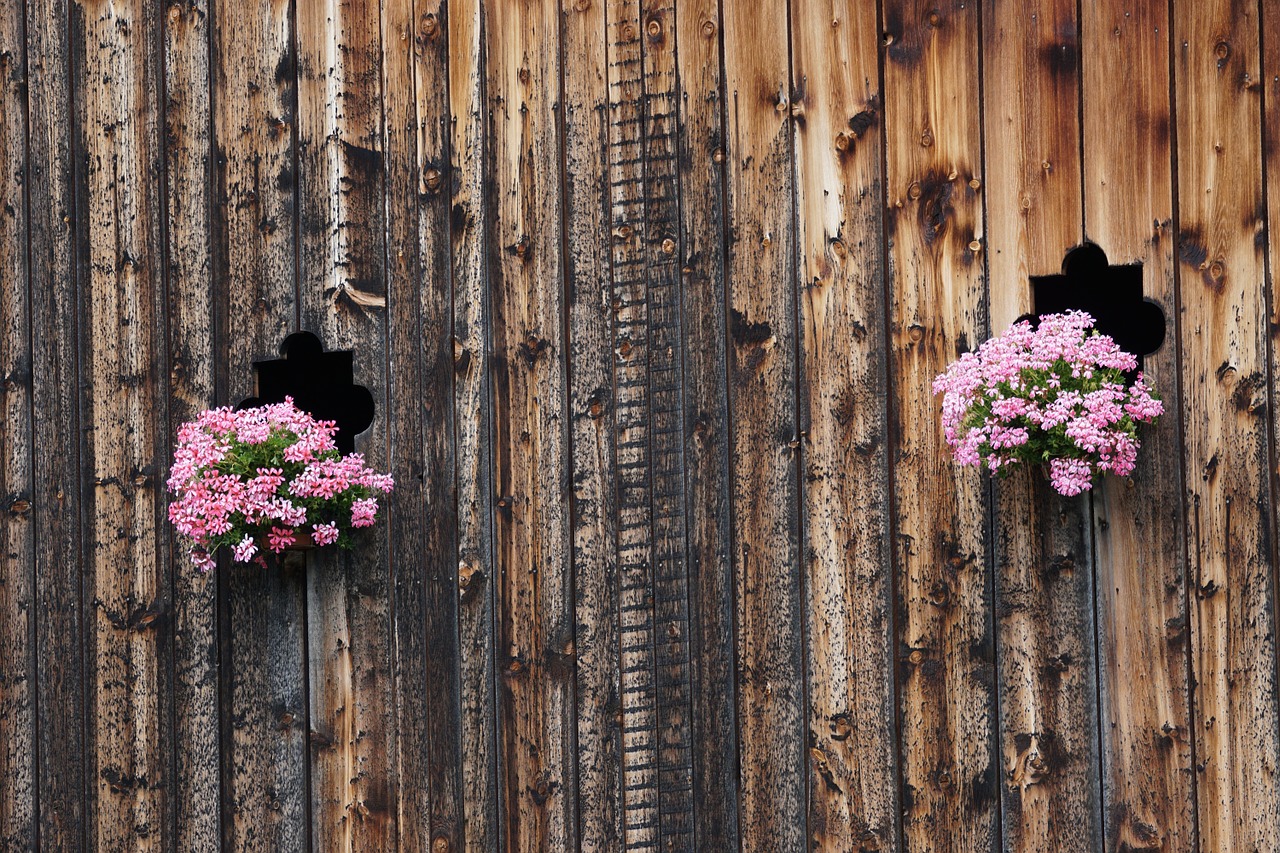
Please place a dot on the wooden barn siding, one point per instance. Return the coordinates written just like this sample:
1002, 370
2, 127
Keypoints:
650, 293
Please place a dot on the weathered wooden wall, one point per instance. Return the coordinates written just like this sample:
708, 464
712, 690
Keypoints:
650, 294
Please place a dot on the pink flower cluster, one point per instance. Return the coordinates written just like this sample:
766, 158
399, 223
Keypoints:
266, 476
1055, 395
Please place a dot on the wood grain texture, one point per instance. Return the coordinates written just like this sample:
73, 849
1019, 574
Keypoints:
945, 648
343, 299
661, 251
700, 163
473, 426
17, 533
56, 502
261, 625
1139, 552
420, 425
1225, 380
124, 404
194, 355
848, 599
535, 613
763, 429
593, 431
1042, 542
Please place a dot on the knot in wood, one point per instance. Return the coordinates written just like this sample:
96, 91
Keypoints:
654, 28
439, 844
431, 181
430, 26
842, 141
708, 29
668, 245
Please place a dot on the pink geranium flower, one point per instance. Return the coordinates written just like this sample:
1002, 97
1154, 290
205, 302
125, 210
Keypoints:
1054, 395
241, 478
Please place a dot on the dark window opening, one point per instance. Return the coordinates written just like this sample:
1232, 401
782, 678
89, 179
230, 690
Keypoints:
320, 383
1112, 294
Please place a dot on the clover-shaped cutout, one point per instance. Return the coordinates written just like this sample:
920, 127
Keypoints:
1112, 294
320, 383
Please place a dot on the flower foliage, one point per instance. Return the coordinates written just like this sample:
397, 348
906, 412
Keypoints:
1054, 395
263, 477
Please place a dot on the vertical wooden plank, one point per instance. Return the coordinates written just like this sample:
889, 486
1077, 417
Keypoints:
60, 748
701, 173
593, 423
343, 295
264, 716
632, 462
124, 412
473, 425
936, 311
420, 425
193, 375
661, 252
1147, 777
763, 428
17, 539
1045, 629
838, 150
1221, 242
532, 534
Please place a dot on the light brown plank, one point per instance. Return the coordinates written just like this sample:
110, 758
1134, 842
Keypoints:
592, 407
1224, 380
128, 586
473, 426
706, 441
1138, 533
838, 151
1042, 542
763, 433
936, 310
343, 299
17, 533
261, 617
535, 615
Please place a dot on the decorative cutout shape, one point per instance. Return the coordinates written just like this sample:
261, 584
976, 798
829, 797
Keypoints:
1112, 294
321, 383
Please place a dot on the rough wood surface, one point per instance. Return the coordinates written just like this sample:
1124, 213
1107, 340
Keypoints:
56, 502
1223, 337
262, 625
473, 428
848, 600
1147, 781
17, 533
1042, 543
763, 429
124, 407
593, 435
700, 162
937, 309
343, 299
535, 617
194, 358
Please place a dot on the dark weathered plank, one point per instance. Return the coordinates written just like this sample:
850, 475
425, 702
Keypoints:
592, 406
420, 424
763, 428
661, 250
193, 355
1042, 542
838, 153
264, 704
1224, 368
1147, 781
632, 465
123, 407
17, 534
530, 455
343, 298
701, 171
473, 426
56, 501
936, 310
